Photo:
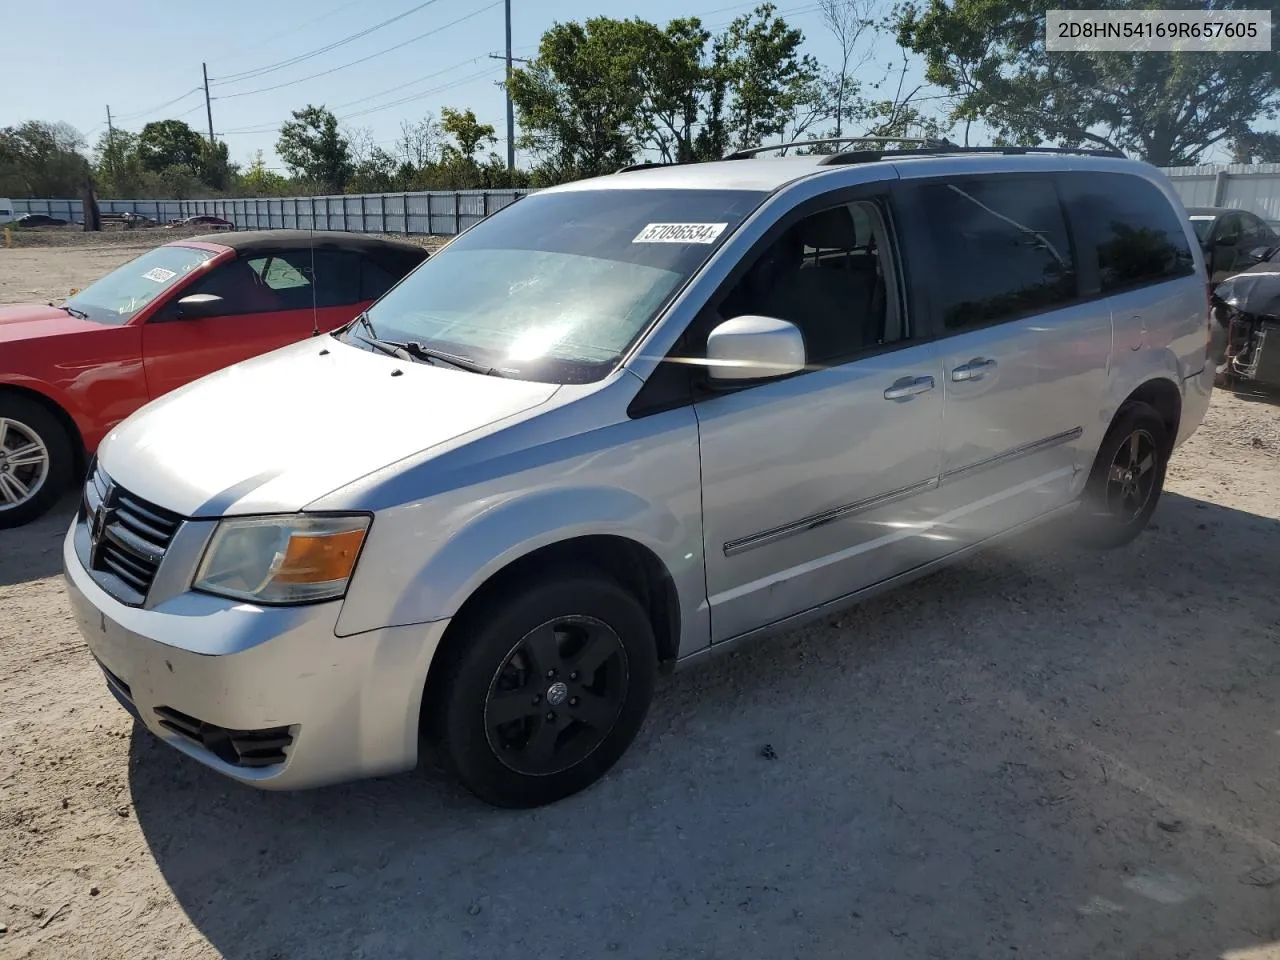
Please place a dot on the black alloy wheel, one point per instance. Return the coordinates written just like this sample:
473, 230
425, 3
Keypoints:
557, 696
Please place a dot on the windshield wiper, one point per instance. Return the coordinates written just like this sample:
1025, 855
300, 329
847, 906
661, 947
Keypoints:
389, 348
78, 314
413, 350
462, 363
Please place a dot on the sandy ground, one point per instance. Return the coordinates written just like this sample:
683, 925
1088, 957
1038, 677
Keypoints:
1039, 753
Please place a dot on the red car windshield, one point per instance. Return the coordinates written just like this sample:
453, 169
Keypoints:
119, 295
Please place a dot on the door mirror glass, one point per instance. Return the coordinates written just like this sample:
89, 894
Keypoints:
754, 348
198, 306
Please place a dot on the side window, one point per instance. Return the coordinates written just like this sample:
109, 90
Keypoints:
1000, 248
1129, 227
240, 285
1229, 229
832, 275
285, 274
1255, 234
375, 279
337, 278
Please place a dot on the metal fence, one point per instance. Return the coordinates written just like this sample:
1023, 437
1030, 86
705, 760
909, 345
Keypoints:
1253, 187
434, 212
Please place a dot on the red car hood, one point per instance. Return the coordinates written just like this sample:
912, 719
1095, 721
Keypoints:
26, 321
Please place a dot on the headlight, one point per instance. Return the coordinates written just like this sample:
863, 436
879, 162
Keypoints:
290, 559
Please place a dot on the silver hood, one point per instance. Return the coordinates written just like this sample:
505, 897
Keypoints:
274, 433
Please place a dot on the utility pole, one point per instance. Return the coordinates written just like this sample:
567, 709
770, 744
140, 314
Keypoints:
208, 107
511, 113
511, 110
111, 143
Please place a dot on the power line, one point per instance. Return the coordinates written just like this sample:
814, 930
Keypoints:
489, 71
409, 83
403, 43
156, 109
269, 128
273, 67
311, 23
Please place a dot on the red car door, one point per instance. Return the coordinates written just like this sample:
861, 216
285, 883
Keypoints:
266, 303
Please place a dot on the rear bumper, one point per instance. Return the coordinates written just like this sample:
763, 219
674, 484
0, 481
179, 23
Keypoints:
291, 704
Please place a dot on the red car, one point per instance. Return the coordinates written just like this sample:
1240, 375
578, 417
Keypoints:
70, 373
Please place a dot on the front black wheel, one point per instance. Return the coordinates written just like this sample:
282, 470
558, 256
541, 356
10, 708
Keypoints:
1127, 478
542, 693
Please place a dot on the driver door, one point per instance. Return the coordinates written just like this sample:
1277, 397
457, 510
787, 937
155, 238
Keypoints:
815, 485
266, 304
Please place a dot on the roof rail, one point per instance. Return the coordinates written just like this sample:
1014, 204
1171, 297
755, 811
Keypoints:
870, 156
647, 164
743, 154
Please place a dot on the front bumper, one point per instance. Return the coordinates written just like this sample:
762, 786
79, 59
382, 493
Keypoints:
331, 708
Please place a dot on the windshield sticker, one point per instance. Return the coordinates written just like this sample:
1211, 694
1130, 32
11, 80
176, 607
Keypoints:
680, 233
1202, 218
159, 274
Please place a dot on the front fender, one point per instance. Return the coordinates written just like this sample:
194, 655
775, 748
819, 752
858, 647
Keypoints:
498, 533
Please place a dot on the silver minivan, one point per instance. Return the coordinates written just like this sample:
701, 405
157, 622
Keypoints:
624, 423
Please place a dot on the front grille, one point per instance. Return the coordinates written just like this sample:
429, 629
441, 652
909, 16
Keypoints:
241, 748
128, 537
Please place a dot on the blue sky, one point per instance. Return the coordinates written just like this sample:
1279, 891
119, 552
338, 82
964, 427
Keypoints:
152, 55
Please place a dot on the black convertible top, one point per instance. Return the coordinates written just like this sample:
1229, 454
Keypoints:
397, 253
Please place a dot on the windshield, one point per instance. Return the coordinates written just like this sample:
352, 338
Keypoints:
124, 291
1202, 225
558, 286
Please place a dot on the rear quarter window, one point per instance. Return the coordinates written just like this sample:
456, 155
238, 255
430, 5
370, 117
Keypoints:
1128, 227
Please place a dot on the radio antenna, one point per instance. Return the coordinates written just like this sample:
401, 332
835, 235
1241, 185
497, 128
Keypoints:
315, 315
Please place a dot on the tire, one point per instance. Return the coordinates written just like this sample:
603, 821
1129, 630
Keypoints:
25, 424
1120, 497
514, 722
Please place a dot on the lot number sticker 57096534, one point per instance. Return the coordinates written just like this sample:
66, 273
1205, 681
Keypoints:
680, 233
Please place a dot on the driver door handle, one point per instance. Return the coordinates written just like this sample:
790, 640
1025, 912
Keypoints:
975, 369
908, 387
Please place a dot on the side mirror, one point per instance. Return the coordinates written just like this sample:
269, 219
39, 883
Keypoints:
1255, 256
199, 306
754, 348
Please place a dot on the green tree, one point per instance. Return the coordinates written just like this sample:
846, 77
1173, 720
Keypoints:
39, 159
258, 181
312, 147
170, 143
468, 133
768, 77
117, 168
1253, 147
1167, 108
579, 100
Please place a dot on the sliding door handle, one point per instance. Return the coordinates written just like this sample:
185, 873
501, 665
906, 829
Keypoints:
908, 387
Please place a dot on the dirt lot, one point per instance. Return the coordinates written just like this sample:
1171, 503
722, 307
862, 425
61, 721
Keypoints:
1040, 753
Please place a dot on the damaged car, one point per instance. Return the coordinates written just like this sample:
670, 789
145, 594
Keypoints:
1246, 314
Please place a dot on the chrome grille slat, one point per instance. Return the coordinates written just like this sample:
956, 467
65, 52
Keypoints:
128, 537
120, 570
142, 528
119, 534
139, 569
130, 505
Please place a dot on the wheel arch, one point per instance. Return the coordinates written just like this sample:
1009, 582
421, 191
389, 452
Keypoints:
630, 563
59, 412
1163, 395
